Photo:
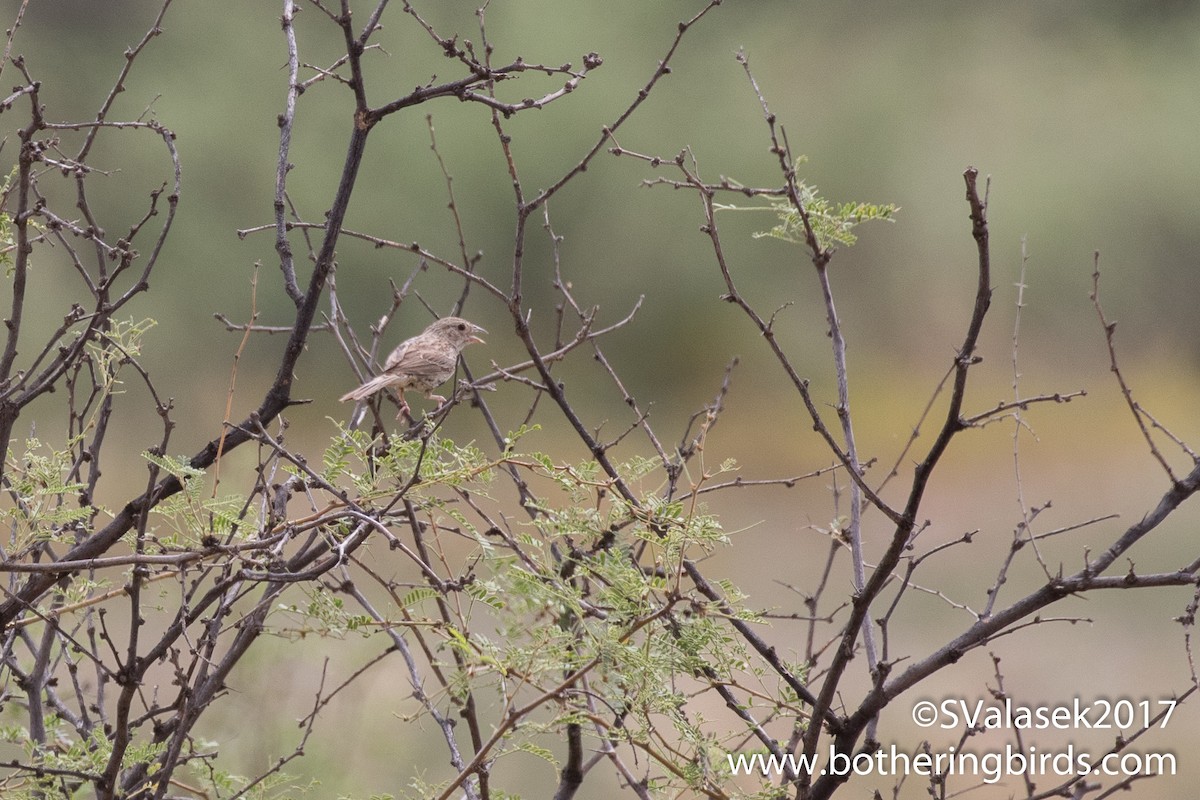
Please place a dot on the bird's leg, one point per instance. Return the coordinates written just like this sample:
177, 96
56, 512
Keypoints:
404, 410
441, 401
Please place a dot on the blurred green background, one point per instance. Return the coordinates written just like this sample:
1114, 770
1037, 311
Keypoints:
1085, 115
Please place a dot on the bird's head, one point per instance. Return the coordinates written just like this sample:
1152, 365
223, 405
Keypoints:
459, 332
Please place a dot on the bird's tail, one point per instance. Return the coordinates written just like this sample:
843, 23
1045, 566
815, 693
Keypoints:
369, 388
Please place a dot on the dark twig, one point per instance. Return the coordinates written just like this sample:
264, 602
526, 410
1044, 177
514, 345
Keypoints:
1109, 334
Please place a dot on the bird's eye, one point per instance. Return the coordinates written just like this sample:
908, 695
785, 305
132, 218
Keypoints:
462, 326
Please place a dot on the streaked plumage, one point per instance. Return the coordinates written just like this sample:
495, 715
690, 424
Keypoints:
422, 363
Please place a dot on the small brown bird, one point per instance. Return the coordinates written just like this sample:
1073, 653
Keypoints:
423, 363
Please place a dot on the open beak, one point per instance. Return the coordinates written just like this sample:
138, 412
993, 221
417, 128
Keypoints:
476, 339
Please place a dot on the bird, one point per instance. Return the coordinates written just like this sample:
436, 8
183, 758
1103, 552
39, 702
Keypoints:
422, 363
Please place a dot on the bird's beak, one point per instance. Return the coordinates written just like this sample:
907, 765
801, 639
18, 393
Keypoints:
476, 339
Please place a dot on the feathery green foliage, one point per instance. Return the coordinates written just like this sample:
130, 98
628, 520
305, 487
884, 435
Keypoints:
832, 223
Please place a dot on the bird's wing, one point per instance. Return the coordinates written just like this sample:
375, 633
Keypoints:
397, 355
424, 363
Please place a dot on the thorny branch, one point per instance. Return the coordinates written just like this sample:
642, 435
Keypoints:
589, 596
